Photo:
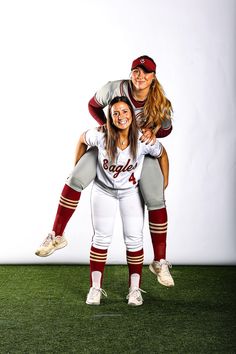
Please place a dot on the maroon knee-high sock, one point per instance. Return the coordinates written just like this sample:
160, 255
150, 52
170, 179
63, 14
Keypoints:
69, 200
158, 230
98, 259
135, 263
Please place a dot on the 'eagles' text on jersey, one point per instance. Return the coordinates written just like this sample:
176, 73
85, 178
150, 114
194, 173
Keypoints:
123, 173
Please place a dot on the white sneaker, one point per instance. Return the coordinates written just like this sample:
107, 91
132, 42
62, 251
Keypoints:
51, 244
135, 297
161, 269
94, 296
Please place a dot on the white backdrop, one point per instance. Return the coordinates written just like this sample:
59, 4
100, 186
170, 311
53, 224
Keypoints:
54, 56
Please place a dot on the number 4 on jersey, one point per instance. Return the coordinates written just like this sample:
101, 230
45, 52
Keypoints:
132, 178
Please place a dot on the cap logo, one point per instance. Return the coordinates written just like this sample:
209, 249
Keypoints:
147, 63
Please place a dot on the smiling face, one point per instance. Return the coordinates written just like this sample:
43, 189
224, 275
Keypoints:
121, 115
141, 79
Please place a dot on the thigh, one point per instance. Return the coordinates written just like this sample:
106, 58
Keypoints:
85, 170
151, 184
103, 211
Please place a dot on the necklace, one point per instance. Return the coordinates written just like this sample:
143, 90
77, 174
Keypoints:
123, 142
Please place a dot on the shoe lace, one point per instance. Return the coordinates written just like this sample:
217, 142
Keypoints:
56, 240
95, 291
134, 291
169, 264
47, 240
103, 292
165, 268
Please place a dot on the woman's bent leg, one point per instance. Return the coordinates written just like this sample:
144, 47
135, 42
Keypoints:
83, 173
151, 186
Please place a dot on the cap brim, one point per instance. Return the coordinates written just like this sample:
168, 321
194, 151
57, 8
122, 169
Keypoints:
144, 69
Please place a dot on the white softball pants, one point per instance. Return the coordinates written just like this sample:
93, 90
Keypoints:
104, 203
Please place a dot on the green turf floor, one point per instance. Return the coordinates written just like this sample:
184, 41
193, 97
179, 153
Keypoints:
43, 310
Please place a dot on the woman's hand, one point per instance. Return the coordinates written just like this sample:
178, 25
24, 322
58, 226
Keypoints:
165, 182
102, 128
148, 136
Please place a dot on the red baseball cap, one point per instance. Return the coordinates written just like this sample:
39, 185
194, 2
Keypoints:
145, 62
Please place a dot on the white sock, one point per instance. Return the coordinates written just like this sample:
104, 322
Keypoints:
134, 280
96, 279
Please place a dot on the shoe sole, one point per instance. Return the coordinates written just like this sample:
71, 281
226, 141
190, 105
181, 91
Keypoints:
93, 303
62, 245
134, 305
158, 278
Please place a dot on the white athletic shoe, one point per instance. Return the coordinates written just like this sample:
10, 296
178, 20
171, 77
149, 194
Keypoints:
94, 296
161, 270
51, 244
135, 297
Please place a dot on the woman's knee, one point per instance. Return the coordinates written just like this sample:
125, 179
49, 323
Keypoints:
84, 172
102, 242
75, 183
154, 204
152, 184
135, 244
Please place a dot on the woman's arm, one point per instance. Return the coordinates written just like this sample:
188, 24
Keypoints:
163, 132
163, 129
164, 164
150, 135
81, 148
96, 111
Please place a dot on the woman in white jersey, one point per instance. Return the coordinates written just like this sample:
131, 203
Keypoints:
153, 113
120, 160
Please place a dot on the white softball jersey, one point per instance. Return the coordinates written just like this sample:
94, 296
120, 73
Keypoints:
123, 173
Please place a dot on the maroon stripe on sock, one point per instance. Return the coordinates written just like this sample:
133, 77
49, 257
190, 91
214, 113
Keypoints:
64, 213
137, 266
97, 261
158, 216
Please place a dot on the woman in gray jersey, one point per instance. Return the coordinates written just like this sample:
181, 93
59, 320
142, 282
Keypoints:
153, 114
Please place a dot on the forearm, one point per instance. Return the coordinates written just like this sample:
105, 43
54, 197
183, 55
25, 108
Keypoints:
162, 133
163, 130
96, 111
164, 165
81, 149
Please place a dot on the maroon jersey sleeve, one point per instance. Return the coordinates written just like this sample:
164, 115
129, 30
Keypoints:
96, 111
162, 132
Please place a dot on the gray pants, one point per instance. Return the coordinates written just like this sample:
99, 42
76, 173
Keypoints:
151, 182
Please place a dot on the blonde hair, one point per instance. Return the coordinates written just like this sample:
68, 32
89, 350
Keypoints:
157, 106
